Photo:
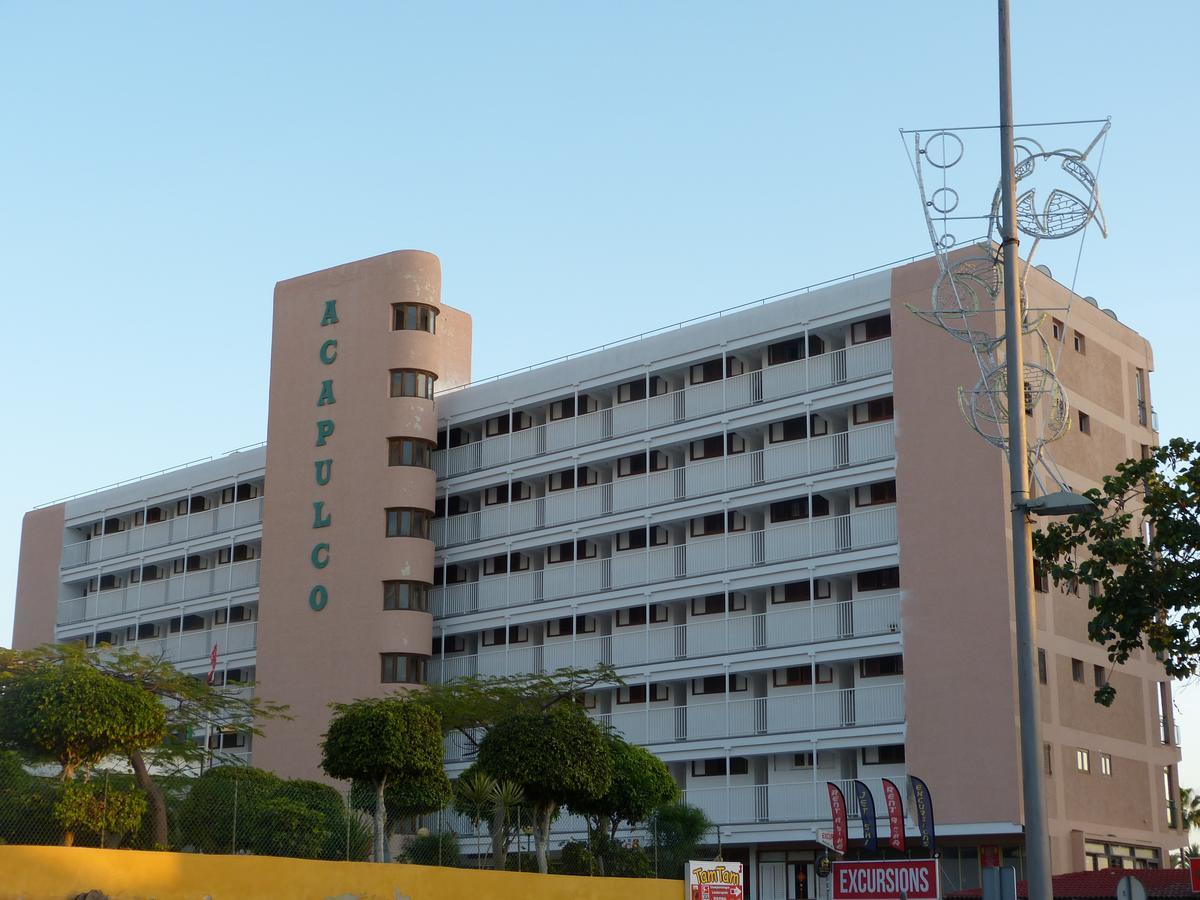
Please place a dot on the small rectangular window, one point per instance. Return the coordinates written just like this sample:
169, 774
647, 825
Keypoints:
889, 754
1056, 328
1099, 676
402, 668
1106, 764
788, 430
875, 494
801, 676
227, 495
881, 410
871, 330
879, 579
1077, 670
1041, 581
804, 760
636, 615
704, 372
1083, 760
1048, 759
738, 765
880, 666
1085, 423
1080, 343
1041, 665
406, 595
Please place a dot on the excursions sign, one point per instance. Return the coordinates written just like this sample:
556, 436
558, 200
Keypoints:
916, 879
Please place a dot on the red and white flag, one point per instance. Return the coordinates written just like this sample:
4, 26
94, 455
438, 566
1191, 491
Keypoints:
895, 815
837, 805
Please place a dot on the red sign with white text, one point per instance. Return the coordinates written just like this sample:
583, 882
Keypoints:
837, 805
886, 879
895, 814
989, 856
1194, 869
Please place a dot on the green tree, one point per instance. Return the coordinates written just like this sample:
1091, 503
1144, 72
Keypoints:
1138, 554
26, 804
471, 706
208, 816
71, 713
641, 783
382, 741
473, 798
1181, 858
110, 813
557, 756
1189, 808
405, 800
678, 832
192, 705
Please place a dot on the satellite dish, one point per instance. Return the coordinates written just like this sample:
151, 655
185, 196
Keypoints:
1129, 888
1045, 270
1110, 314
1091, 300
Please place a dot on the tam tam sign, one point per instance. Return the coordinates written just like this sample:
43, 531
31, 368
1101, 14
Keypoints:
716, 881
916, 879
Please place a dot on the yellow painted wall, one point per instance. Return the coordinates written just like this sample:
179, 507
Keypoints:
60, 873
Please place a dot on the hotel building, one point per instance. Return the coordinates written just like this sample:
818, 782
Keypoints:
772, 521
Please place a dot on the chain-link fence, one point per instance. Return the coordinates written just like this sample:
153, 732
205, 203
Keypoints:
241, 810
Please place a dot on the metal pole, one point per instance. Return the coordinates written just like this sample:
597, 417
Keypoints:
1037, 838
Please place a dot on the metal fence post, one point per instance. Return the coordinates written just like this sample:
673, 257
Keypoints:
349, 813
233, 847
104, 811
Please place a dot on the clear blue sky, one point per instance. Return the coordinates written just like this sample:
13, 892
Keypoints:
584, 171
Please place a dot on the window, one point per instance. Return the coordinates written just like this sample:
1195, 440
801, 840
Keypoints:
875, 494
404, 522
1077, 670
1085, 423
871, 330
790, 510
706, 448
790, 351
414, 317
1139, 381
1080, 343
154, 515
495, 426
410, 452
881, 410
406, 595
636, 615
568, 626
636, 464
636, 539
717, 684
880, 666
226, 495
704, 768
1056, 328
705, 372
1048, 759
412, 383
1041, 581
402, 668
636, 390
806, 760
566, 552
889, 754
1099, 676
1106, 764
452, 643
799, 591
636, 693
879, 579
706, 525
564, 409
1041, 665
789, 430
801, 676
1083, 760
714, 604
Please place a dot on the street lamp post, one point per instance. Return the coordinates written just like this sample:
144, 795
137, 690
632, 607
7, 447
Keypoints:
1037, 838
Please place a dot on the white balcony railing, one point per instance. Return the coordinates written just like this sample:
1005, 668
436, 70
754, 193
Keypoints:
172, 531
738, 550
729, 473
771, 383
148, 595
796, 626
802, 801
191, 646
804, 711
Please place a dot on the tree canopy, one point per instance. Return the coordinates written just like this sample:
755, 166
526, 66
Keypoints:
641, 783
557, 756
382, 741
1138, 555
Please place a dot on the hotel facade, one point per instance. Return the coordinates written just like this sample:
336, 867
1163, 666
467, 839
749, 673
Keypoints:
772, 521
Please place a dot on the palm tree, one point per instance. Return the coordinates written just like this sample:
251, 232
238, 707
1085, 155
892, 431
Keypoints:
1189, 808
1181, 858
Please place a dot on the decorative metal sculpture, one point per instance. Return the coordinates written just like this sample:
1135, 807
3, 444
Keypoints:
966, 295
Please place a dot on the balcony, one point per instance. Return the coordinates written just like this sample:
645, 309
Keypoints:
161, 534
145, 595
729, 473
862, 617
196, 646
627, 569
658, 724
772, 383
787, 802
651, 723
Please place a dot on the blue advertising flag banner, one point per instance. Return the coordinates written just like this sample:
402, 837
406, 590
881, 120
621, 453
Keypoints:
923, 808
866, 811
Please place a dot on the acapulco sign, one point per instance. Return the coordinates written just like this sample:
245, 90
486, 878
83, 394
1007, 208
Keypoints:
916, 879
